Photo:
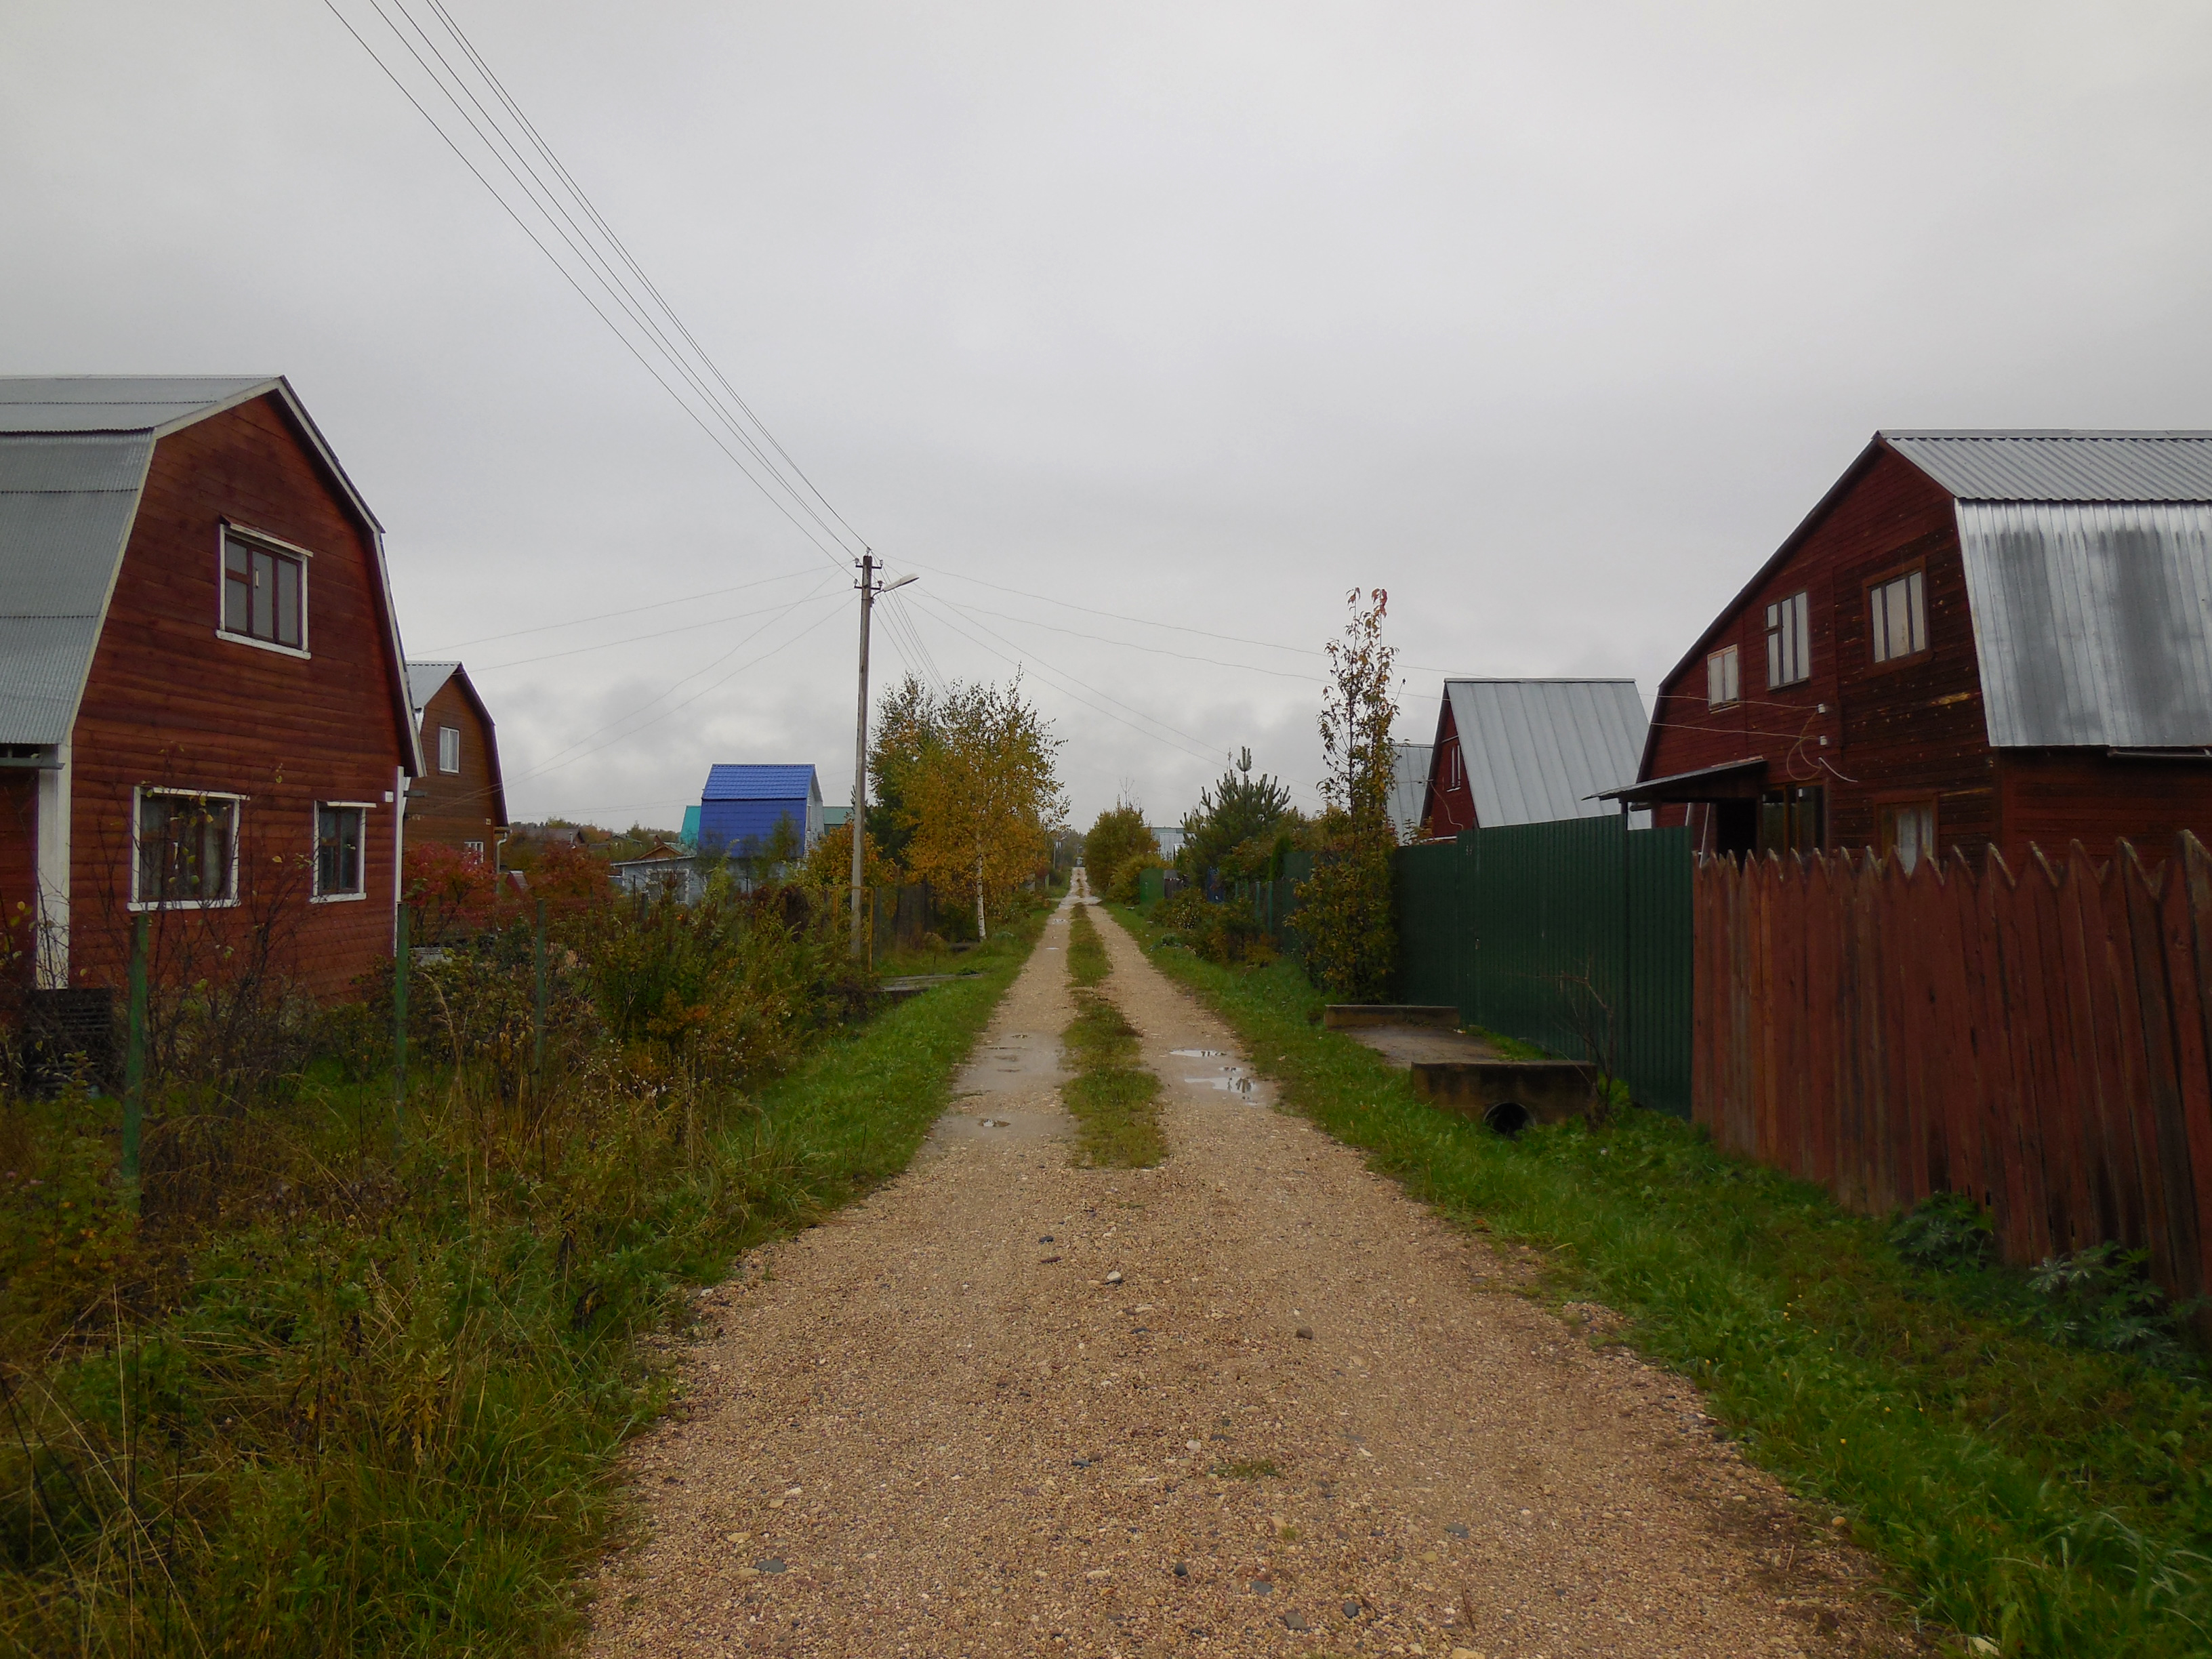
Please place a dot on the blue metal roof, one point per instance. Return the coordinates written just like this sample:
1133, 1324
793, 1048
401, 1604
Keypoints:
758, 782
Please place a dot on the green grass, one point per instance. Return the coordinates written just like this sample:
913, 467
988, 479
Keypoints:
1114, 1101
2045, 1498
393, 1430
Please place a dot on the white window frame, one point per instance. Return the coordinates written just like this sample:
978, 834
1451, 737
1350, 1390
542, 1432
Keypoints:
315, 895
138, 793
1724, 676
454, 732
1879, 645
1790, 641
224, 531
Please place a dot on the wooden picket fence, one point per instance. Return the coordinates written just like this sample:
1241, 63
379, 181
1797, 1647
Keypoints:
2037, 1041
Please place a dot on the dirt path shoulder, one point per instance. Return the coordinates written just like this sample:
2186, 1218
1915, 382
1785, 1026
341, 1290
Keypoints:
1253, 1401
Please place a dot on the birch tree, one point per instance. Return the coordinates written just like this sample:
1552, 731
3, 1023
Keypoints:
982, 798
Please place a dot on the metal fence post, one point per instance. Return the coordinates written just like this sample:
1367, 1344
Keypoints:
134, 1059
538, 1017
399, 1030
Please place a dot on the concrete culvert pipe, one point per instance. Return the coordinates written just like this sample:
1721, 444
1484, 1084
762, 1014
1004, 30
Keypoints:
1508, 1117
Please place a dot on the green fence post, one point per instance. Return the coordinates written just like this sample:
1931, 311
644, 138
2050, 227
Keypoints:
399, 1030
134, 1059
537, 1018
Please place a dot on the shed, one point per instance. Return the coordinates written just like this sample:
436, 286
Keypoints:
742, 805
1530, 751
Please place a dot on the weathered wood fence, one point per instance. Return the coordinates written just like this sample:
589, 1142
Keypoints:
2037, 1041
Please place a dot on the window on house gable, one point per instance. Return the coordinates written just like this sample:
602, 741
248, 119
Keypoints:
265, 592
340, 831
449, 748
185, 849
1897, 617
1723, 683
1789, 640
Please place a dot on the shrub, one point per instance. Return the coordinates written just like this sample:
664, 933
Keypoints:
1118, 835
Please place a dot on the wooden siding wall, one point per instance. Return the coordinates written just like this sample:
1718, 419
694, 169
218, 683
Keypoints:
19, 867
169, 702
2055, 797
453, 807
2038, 1043
1917, 729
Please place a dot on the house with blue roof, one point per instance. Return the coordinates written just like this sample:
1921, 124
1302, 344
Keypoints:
742, 805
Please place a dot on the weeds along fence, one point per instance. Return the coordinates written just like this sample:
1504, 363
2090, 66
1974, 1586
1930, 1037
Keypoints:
1574, 936
2038, 1042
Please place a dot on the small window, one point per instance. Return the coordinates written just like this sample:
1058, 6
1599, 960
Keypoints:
339, 831
1908, 830
187, 848
265, 592
1789, 640
473, 849
449, 748
1723, 685
1898, 617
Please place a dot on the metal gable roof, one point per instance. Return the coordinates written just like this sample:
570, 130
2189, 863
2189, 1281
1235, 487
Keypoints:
2062, 467
424, 680
1537, 751
1409, 788
74, 451
120, 403
758, 782
2093, 621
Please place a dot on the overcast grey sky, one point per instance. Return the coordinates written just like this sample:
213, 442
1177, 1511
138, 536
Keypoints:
1550, 318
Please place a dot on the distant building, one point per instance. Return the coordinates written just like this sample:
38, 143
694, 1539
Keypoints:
742, 805
461, 800
667, 869
1409, 788
1170, 838
1530, 751
836, 818
691, 831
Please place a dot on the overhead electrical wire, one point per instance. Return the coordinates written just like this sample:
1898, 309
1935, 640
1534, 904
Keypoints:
689, 362
609, 616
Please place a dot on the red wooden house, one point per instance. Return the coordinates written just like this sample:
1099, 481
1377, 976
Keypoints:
1975, 640
204, 713
461, 800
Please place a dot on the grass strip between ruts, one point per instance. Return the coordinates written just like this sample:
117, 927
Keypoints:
1114, 1101
2041, 1498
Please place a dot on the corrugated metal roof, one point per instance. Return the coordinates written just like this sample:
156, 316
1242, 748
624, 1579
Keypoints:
118, 402
757, 782
424, 679
1409, 788
66, 504
2093, 622
2064, 466
1536, 750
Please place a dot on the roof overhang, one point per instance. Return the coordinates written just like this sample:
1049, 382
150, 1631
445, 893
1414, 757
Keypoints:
1739, 779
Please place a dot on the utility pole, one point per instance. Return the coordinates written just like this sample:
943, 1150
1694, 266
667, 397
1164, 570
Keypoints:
869, 594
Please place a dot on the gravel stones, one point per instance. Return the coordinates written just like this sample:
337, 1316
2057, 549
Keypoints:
1011, 1469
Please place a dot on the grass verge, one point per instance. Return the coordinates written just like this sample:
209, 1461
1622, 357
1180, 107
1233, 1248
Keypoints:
402, 1439
1115, 1101
2042, 1498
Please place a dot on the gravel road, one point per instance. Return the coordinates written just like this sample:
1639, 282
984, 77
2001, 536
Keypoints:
1253, 1401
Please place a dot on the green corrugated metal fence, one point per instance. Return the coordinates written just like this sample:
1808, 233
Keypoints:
1573, 936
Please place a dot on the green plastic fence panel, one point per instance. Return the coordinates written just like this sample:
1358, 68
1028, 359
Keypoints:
1152, 886
1425, 898
1574, 936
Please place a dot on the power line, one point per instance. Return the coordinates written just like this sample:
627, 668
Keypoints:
595, 265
